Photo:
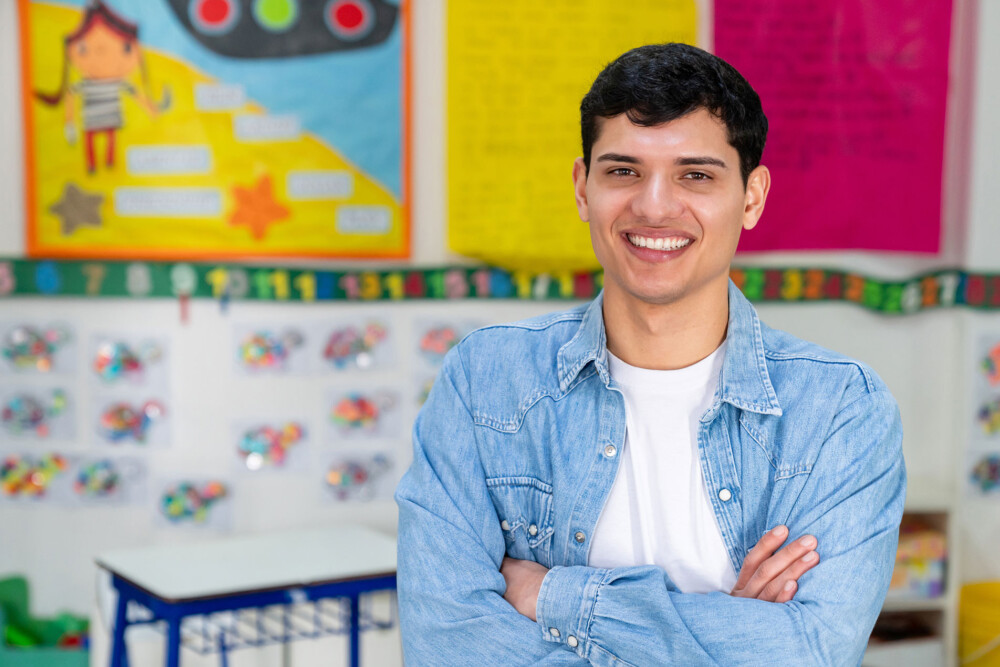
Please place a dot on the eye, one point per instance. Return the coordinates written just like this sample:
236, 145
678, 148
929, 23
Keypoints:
697, 176
621, 171
128, 47
82, 49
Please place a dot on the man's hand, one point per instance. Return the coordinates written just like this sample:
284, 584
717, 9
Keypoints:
771, 576
524, 580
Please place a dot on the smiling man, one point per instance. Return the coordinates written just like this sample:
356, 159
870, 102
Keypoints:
657, 477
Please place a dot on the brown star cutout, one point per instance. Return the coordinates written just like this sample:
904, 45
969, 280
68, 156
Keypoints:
256, 207
78, 208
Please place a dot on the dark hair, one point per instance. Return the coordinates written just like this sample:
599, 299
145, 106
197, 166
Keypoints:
658, 83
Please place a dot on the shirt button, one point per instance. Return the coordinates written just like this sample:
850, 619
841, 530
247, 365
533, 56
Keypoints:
505, 525
554, 632
610, 451
580, 536
725, 495
572, 641
532, 530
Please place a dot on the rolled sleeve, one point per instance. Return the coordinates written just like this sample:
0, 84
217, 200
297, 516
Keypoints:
566, 604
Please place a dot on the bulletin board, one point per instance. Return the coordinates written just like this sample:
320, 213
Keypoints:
855, 95
216, 128
512, 138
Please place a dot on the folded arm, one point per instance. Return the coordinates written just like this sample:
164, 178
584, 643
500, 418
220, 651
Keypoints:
451, 605
630, 615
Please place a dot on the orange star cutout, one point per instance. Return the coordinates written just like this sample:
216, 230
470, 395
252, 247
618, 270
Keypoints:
256, 207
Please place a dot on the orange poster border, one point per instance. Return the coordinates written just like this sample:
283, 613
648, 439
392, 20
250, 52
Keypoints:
35, 250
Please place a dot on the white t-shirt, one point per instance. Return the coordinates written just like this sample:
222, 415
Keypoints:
658, 512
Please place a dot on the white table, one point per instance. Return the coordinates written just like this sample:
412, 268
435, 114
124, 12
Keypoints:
177, 581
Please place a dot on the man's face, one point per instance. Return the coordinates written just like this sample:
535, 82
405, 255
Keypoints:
666, 205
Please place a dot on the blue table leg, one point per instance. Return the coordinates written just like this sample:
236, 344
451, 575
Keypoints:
173, 641
223, 653
355, 632
119, 654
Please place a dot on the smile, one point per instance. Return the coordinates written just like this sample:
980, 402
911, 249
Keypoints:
670, 243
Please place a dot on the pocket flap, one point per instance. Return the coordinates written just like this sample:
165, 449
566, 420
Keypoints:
525, 503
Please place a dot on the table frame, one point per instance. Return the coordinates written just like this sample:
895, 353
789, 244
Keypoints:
174, 611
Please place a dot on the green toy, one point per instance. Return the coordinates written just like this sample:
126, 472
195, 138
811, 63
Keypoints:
14, 636
37, 642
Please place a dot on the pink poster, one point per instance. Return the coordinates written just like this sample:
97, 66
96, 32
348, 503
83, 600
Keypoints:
854, 93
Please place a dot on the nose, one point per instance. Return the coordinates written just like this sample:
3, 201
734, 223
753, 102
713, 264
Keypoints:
659, 199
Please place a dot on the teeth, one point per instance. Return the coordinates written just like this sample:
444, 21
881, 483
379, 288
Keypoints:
672, 243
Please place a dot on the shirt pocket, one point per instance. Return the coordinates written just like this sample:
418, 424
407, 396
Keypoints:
524, 506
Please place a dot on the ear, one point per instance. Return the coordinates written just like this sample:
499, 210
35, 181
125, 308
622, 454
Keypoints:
580, 187
758, 185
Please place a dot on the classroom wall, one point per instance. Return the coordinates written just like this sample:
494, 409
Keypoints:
922, 358
980, 520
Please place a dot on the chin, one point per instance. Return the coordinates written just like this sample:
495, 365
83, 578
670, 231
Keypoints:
663, 292
658, 295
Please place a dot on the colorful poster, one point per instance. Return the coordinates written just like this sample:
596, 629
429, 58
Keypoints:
175, 129
517, 71
982, 460
855, 96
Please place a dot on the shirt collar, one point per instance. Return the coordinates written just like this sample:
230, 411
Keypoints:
744, 382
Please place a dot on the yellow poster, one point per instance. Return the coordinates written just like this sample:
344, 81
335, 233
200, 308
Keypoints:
176, 129
517, 71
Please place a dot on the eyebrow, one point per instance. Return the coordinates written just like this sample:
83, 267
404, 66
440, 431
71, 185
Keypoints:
701, 160
694, 161
617, 157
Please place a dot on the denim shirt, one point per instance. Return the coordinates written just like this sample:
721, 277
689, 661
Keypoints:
515, 453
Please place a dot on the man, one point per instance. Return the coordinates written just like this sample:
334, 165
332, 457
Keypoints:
586, 485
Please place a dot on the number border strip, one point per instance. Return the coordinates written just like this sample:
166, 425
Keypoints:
139, 280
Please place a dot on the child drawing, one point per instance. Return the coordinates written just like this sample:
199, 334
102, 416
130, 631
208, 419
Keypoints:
104, 50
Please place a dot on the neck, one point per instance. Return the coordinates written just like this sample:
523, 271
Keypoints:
666, 336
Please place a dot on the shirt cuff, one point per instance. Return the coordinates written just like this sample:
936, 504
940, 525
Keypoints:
566, 603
